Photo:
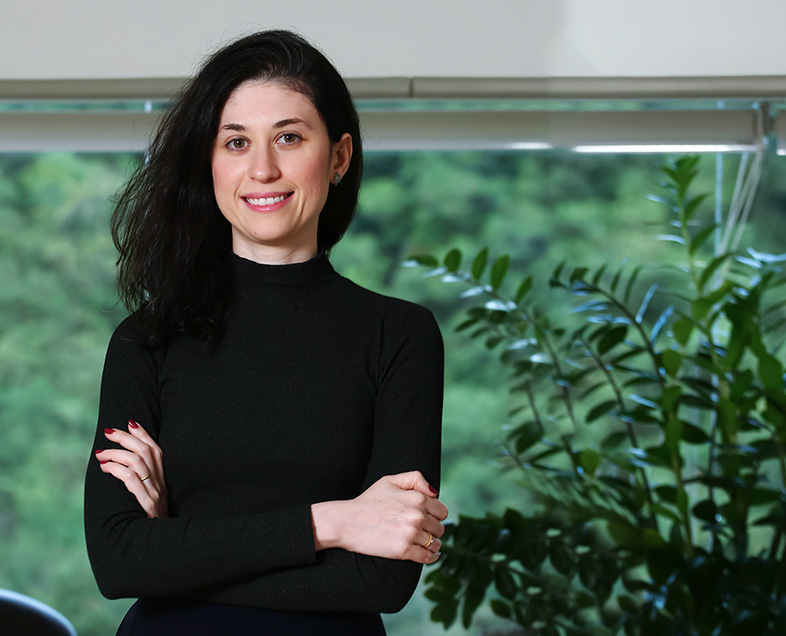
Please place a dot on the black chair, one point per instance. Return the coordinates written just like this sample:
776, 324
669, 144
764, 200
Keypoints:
21, 615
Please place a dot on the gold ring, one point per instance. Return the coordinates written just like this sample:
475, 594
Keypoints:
145, 477
430, 540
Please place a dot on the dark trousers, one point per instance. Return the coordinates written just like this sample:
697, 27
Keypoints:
148, 617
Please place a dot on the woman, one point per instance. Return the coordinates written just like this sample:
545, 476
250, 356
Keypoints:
295, 415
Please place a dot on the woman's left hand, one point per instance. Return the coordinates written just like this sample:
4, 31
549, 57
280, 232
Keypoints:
397, 517
140, 467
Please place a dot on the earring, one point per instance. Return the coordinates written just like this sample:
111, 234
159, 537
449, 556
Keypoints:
336, 179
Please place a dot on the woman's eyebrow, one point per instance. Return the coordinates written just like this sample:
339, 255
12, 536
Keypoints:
235, 127
288, 122
279, 124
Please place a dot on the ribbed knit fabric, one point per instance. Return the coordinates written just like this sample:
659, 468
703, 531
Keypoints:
318, 389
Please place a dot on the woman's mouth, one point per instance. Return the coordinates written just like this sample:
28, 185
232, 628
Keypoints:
269, 200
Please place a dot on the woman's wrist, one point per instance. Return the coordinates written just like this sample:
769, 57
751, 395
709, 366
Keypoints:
326, 519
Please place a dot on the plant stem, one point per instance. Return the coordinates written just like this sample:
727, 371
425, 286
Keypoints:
631, 433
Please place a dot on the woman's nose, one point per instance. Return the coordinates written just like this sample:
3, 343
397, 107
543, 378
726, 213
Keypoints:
263, 165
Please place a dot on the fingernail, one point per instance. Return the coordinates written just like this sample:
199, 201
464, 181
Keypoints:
109, 431
98, 452
433, 490
103, 461
133, 424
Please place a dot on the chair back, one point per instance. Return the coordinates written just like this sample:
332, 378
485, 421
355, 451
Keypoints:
21, 615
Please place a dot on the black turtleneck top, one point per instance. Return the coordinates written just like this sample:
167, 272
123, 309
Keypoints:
318, 389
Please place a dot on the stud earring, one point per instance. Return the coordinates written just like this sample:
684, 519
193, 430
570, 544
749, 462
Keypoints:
336, 179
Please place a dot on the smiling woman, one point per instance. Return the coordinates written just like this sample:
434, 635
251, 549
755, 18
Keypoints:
273, 163
245, 349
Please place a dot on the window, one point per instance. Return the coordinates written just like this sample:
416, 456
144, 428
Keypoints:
423, 192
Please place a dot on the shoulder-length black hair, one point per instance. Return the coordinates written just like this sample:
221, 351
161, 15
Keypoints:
174, 243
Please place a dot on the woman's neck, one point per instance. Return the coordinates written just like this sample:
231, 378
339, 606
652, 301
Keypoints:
273, 254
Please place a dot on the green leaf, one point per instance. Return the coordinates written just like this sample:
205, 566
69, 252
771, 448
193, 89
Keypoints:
692, 434
479, 264
627, 604
705, 510
659, 199
527, 435
692, 205
660, 322
445, 613
700, 307
453, 260
562, 558
708, 272
493, 341
646, 303
524, 289
770, 371
673, 434
701, 237
504, 582
499, 270
612, 338
599, 274
467, 324
479, 331
500, 608
682, 329
667, 493
741, 333
614, 440
616, 280
578, 274
589, 460
698, 401
672, 361
670, 396
600, 410
655, 455
630, 284
472, 601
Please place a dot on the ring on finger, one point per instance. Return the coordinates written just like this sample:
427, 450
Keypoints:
148, 475
430, 540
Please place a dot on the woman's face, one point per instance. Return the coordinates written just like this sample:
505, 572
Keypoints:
272, 167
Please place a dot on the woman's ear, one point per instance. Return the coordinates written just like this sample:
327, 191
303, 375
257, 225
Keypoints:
342, 155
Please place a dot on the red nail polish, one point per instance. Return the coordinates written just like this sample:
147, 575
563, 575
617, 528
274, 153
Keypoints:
433, 491
98, 452
103, 461
133, 424
109, 431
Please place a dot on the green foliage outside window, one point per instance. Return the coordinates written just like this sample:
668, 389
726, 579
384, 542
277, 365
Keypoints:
58, 308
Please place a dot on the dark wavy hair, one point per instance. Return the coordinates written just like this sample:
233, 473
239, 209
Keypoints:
174, 243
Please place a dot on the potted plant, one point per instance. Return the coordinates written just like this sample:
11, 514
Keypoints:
653, 441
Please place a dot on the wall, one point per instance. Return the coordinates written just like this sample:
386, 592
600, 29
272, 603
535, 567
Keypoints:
99, 39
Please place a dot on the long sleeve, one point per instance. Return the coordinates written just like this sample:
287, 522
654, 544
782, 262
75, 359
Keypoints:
132, 555
313, 396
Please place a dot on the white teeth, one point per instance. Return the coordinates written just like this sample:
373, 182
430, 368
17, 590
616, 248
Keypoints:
266, 200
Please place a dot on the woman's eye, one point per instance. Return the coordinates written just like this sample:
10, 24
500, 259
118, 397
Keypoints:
237, 143
289, 138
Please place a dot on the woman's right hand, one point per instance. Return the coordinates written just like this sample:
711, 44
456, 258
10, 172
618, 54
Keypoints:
140, 466
397, 517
